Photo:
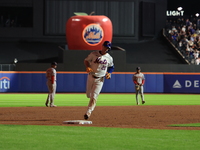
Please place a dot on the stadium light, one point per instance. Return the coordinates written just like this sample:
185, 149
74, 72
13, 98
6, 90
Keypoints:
179, 8
15, 60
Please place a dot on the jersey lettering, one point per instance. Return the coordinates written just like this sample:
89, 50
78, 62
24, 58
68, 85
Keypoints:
103, 67
99, 63
98, 60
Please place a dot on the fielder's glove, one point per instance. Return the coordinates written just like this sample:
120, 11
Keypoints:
137, 87
88, 70
108, 76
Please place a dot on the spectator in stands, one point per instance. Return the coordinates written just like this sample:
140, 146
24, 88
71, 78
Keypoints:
174, 38
187, 22
197, 31
195, 27
191, 30
183, 45
188, 53
197, 42
196, 56
174, 29
185, 35
183, 29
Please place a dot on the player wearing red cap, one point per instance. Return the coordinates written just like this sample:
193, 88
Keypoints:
51, 84
139, 80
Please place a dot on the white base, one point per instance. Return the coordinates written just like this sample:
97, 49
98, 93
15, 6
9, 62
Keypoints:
77, 122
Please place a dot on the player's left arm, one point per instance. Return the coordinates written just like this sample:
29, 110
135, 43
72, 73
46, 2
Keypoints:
143, 80
52, 79
53, 76
109, 71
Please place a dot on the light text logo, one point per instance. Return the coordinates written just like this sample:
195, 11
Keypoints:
174, 13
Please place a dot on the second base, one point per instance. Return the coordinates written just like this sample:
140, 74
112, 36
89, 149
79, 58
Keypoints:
77, 122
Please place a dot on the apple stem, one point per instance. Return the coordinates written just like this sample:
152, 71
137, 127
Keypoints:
91, 13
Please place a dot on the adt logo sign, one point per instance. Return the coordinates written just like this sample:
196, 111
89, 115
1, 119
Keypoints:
4, 83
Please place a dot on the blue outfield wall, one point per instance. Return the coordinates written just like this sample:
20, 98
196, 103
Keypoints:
121, 82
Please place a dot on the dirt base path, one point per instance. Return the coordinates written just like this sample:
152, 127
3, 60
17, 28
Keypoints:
149, 117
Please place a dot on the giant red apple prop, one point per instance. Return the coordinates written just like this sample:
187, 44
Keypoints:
88, 32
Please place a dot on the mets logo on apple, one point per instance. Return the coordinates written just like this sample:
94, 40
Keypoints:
93, 34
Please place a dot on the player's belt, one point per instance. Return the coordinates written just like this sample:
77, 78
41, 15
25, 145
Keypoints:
95, 77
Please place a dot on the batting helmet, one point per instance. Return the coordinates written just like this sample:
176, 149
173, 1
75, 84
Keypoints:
54, 63
138, 68
107, 44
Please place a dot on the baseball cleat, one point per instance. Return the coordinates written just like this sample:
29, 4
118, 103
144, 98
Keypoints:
143, 102
46, 104
86, 117
53, 106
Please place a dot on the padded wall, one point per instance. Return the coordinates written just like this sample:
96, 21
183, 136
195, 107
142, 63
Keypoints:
120, 82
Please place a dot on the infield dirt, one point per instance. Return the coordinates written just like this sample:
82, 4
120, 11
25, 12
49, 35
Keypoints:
146, 117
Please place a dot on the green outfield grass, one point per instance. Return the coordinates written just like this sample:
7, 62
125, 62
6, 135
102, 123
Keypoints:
186, 125
28, 100
29, 137
34, 137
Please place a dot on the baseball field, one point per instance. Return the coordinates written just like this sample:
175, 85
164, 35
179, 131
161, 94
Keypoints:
165, 121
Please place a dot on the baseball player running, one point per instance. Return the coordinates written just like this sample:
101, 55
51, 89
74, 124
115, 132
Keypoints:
51, 84
139, 80
99, 64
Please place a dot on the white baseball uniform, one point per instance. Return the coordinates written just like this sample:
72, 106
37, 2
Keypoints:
99, 64
51, 87
138, 79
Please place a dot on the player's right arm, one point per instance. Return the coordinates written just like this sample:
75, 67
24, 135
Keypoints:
135, 80
87, 63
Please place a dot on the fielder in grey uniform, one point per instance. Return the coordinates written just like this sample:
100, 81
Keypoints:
51, 84
139, 80
99, 64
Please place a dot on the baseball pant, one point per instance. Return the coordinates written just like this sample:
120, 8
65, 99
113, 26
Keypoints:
94, 86
52, 92
141, 91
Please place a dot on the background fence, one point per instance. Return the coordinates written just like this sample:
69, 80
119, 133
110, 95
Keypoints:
7, 67
121, 82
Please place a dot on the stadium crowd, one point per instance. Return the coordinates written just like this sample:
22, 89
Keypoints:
184, 33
